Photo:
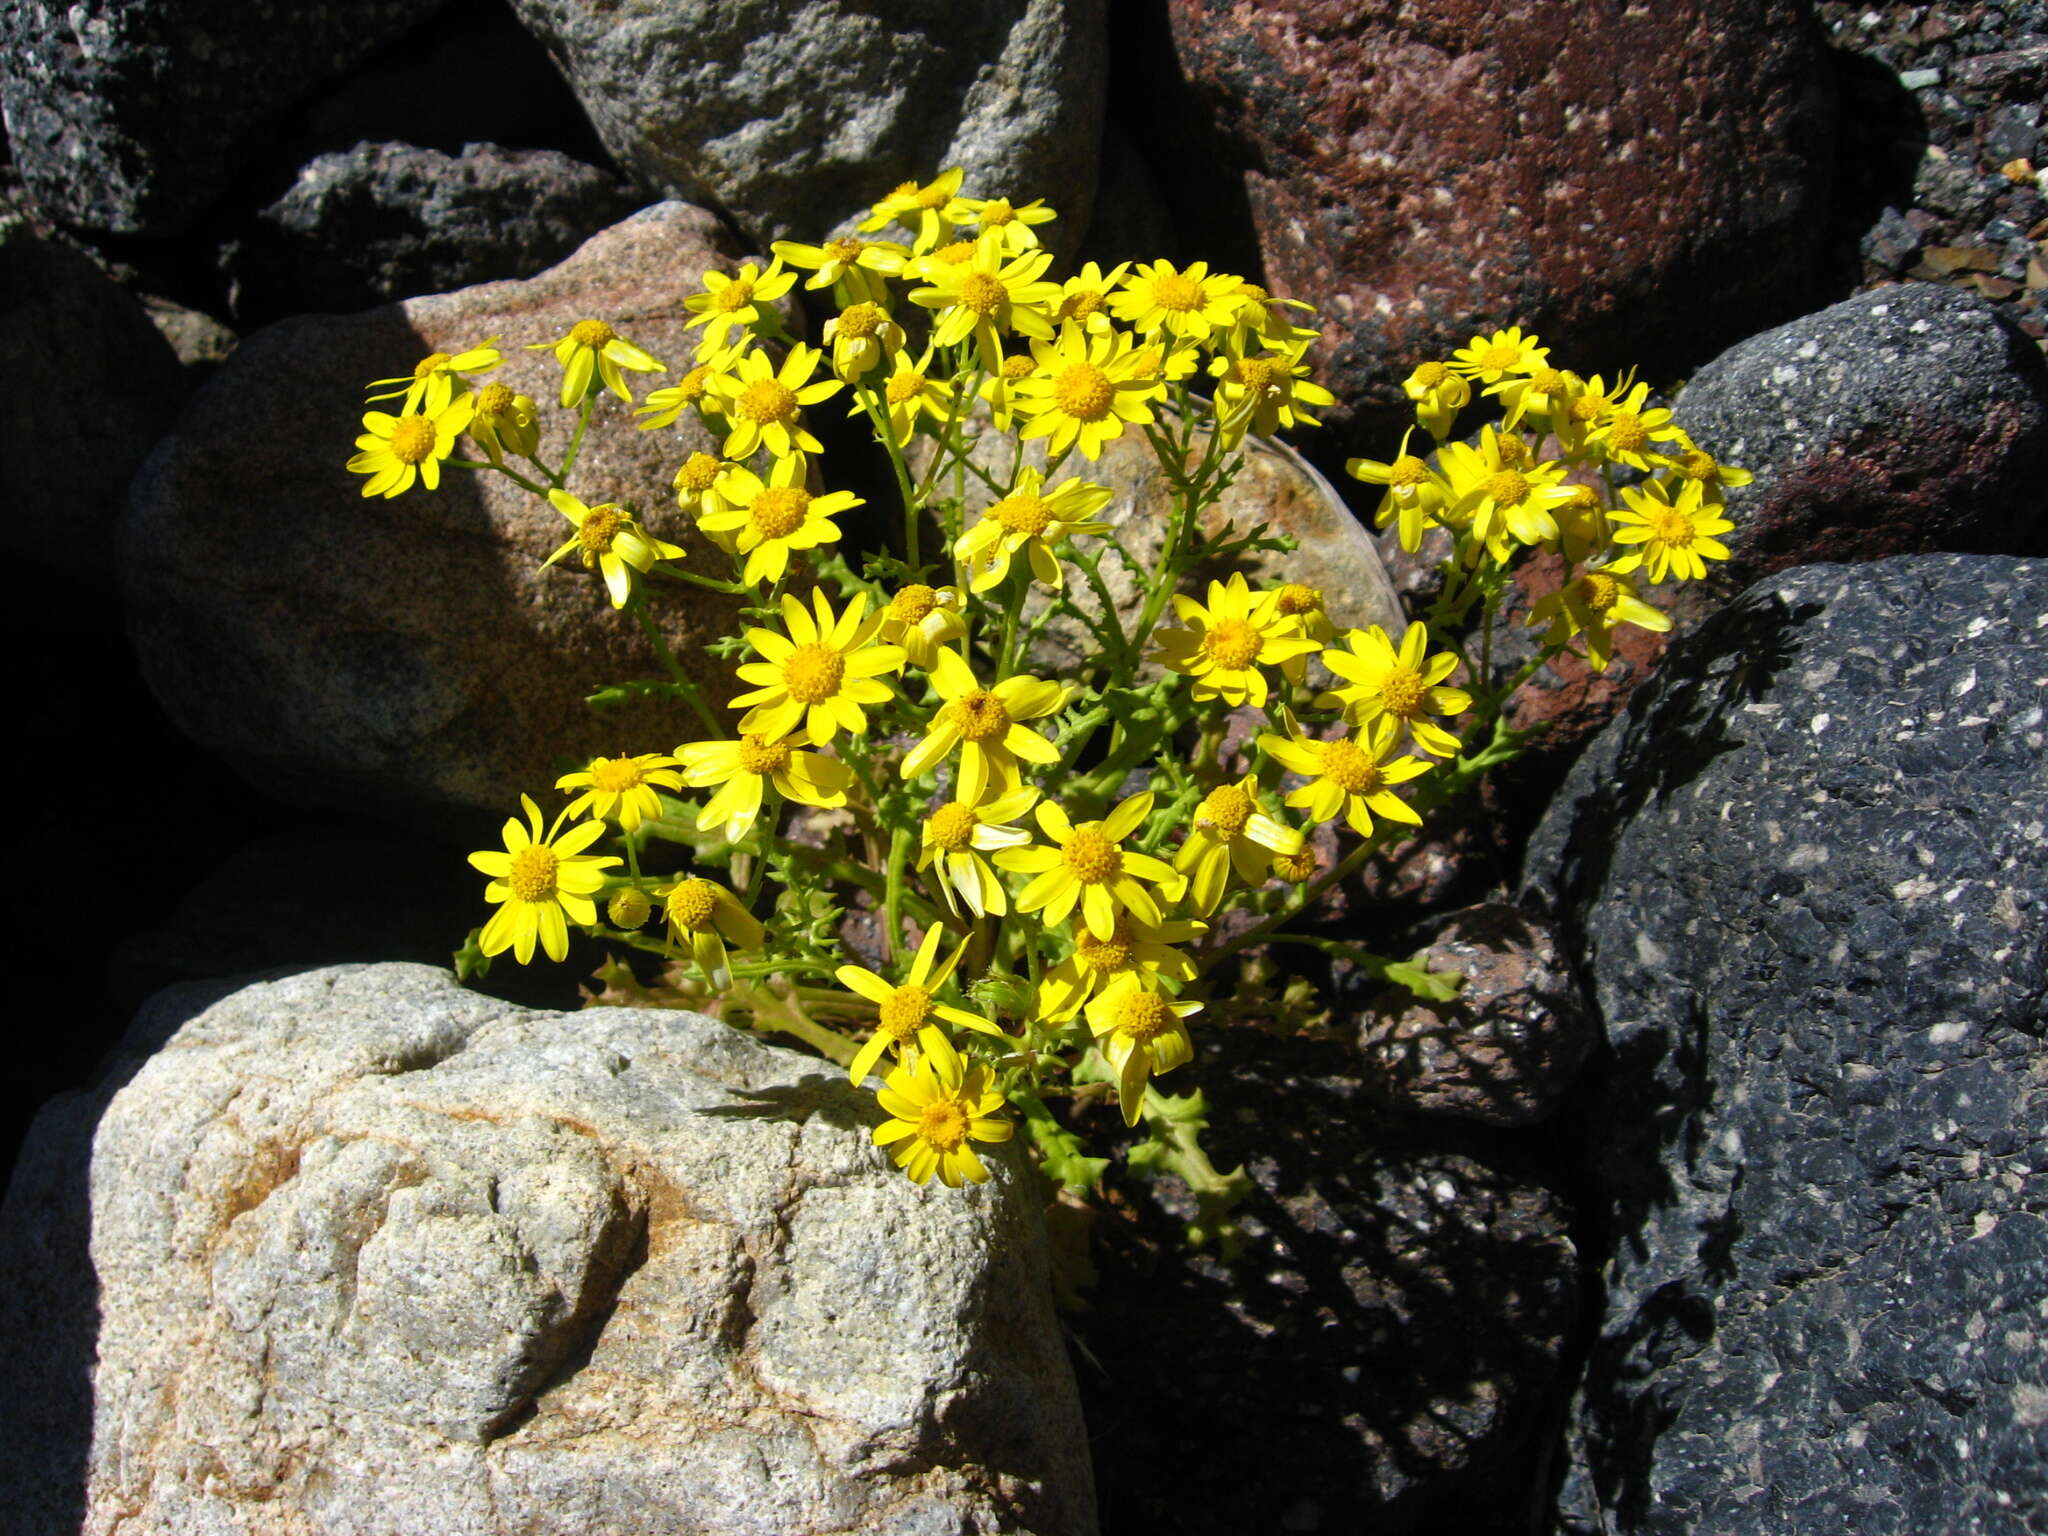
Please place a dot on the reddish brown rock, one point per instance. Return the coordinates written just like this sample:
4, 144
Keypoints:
1637, 183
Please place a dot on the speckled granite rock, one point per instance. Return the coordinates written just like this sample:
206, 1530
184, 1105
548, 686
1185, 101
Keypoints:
1808, 874
375, 1253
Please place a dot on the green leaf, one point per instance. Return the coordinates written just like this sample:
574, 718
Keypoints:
470, 960
1430, 986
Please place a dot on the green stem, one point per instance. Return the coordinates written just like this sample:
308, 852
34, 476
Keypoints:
892, 898
576, 438
903, 486
501, 468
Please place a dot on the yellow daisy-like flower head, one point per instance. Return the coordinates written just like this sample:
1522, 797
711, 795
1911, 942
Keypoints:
1087, 866
1222, 645
768, 519
938, 1106
1631, 430
396, 451
1351, 778
819, 674
1584, 408
988, 295
1591, 604
860, 336
729, 302
955, 837
591, 354
1010, 222
1262, 321
609, 540
1085, 392
908, 1008
706, 916
1439, 395
692, 392
995, 387
431, 384
1135, 949
699, 485
1533, 398
922, 618
1501, 494
1414, 491
919, 207
624, 789
1405, 685
1141, 1033
1030, 520
1489, 359
542, 882
505, 422
1264, 393
1230, 832
1692, 463
1084, 298
1673, 531
986, 724
742, 768
911, 393
765, 403
1301, 608
1189, 305
846, 265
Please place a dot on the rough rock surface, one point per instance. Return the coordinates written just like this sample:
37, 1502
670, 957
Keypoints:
409, 655
377, 1253
1626, 180
1501, 1052
1904, 420
1808, 875
129, 117
789, 118
387, 221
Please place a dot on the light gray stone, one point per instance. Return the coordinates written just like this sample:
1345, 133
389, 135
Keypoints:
789, 116
377, 1254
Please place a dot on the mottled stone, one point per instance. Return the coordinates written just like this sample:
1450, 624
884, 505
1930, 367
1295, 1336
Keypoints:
1807, 875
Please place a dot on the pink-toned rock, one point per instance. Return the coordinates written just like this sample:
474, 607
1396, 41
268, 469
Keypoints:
1638, 183
411, 656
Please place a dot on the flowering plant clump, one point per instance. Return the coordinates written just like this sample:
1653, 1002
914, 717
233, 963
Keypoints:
1043, 861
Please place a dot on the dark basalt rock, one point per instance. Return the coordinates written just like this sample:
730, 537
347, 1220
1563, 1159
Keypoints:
1808, 876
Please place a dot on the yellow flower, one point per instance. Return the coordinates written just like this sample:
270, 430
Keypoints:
1583, 408
394, 451
1260, 320
769, 519
609, 539
591, 351
995, 387
1591, 605
621, 787
1086, 867
1534, 397
1414, 491
765, 405
984, 724
1024, 521
1135, 949
705, 916
910, 392
921, 619
1439, 395
431, 384
628, 908
1141, 1032
1300, 607
907, 1009
1489, 359
1352, 778
1230, 832
698, 483
1263, 394
809, 778
505, 423
1629, 430
542, 882
861, 335
1002, 218
1223, 645
1084, 298
1498, 492
1404, 685
1693, 463
1086, 390
1189, 305
937, 1105
919, 208
1676, 537
692, 392
957, 834
819, 675
727, 303
986, 296
843, 265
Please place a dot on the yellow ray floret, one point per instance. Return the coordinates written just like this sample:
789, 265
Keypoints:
543, 882
592, 353
1353, 778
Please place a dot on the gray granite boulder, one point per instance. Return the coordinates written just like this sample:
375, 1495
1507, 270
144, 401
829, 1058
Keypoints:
790, 117
374, 1253
1808, 877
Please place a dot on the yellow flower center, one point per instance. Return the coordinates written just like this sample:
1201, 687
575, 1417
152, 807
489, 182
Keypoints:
1016, 366
628, 908
1257, 374
1429, 375
902, 386
1226, 808
412, 440
942, 1125
433, 362
1091, 857
1588, 407
952, 826
1143, 1017
913, 603
1626, 432
692, 904
1083, 391
905, 1011
980, 293
1022, 513
1513, 452
997, 213
1546, 381
933, 196
1297, 598
614, 775
1407, 472
1584, 499
1499, 356
760, 755
494, 400
591, 333
1252, 293
1695, 464
857, 322
1177, 293
1106, 955
1670, 526
954, 254
532, 875
598, 530
813, 673
698, 473
734, 296
1231, 645
1403, 692
1080, 305
1598, 592
691, 387
1507, 488
779, 511
904, 189
978, 716
845, 249
1351, 770
767, 400
1297, 866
